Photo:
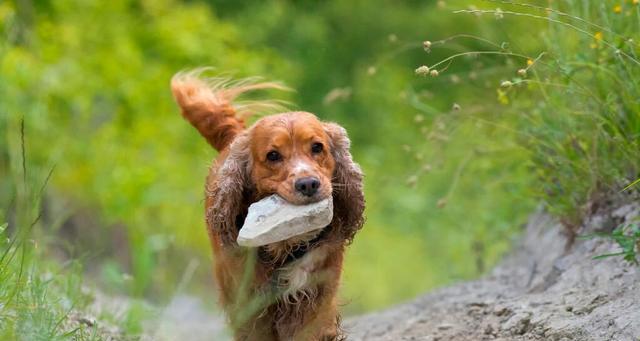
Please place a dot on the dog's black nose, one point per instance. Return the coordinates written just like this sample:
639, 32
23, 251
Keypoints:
307, 186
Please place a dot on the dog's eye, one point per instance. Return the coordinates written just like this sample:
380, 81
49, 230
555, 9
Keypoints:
274, 156
316, 148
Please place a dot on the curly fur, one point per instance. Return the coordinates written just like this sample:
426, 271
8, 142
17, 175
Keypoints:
231, 191
348, 194
265, 295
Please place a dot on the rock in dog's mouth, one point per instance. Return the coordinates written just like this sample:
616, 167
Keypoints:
273, 220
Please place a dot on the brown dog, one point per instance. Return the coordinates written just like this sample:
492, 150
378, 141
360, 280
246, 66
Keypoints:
286, 290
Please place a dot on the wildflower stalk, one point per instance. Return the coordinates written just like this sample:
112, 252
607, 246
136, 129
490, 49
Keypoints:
578, 29
469, 36
557, 85
559, 13
478, 53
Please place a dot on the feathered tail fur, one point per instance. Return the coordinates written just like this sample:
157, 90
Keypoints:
209, 104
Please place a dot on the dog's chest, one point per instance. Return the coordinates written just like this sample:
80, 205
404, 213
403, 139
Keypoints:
303, 273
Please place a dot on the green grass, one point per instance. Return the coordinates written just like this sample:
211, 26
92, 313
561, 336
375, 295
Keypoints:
631, 185
574, 103
627, 236
42, 296
44, 299
37, 298
36, 295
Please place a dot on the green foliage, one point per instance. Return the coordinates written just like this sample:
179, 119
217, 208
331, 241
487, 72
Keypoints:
36, 295
627, 236
42, 298
451, 161
574, 102
91, 80
586, 132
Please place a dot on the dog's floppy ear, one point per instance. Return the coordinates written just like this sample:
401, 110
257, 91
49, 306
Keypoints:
348, 195
231, 191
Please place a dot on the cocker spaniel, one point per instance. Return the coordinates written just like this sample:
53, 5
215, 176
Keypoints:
286, 290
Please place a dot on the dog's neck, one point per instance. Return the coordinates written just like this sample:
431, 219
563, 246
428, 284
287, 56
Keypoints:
285, 252
299, 252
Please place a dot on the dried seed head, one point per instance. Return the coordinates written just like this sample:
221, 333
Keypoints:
522, 72
456, 107
434, 73
426, 44
422, 71
506, 84
412, 181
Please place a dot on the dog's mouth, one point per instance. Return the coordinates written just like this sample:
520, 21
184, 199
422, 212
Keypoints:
300, 200
280, 228
291, 242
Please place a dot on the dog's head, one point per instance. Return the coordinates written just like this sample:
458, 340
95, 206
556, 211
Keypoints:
297, 157
291, 156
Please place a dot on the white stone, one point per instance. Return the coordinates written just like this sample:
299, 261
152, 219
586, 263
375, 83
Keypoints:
273, 219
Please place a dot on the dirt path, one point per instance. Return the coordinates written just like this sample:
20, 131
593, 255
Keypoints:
539, 292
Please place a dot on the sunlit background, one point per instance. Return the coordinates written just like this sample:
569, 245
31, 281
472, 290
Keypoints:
448, 158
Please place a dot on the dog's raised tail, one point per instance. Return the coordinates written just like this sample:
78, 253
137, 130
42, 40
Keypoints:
209, 104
